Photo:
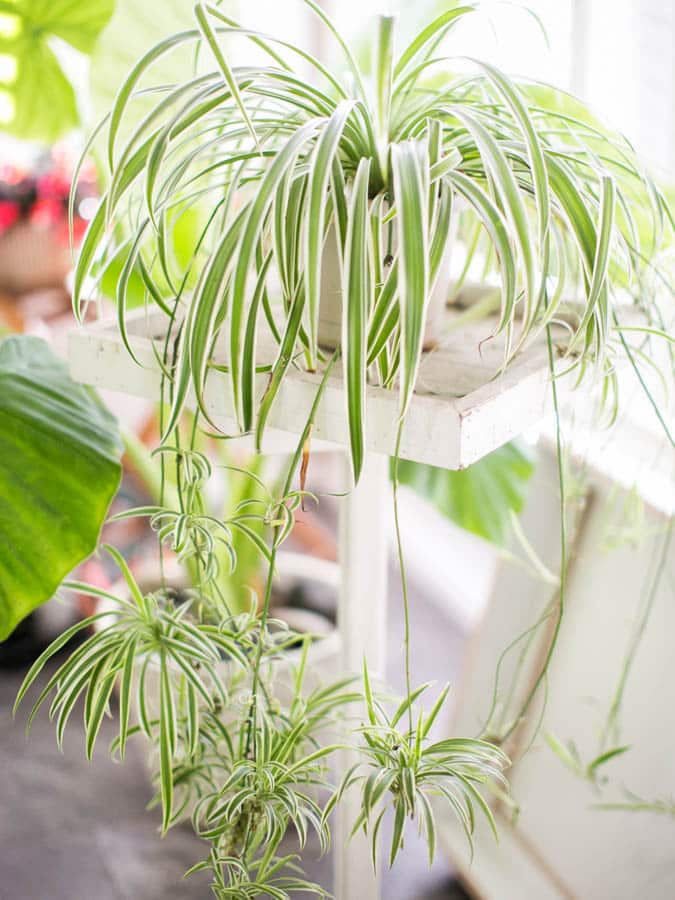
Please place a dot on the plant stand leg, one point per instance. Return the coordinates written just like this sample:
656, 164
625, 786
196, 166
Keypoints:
362, 620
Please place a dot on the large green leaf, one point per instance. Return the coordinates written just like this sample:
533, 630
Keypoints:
59, 470
480, 498
42, 99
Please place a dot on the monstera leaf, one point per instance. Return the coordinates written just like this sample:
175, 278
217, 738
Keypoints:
479, 498
42, 104
59, 470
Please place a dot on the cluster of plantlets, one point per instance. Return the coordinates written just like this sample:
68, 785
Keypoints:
239, 750
246, 772
277, 165
220, 549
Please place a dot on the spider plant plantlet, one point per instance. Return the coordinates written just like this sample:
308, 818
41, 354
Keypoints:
404, 769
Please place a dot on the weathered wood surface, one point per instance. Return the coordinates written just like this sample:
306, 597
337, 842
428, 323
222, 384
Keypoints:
462, 408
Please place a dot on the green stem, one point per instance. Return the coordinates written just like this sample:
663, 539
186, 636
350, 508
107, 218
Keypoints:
643, 385
515, 678
563, 547
487, 732
617, 699
264, 615
166, 386
146, 468
404, 577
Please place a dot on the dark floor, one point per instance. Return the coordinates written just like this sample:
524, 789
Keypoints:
72, 830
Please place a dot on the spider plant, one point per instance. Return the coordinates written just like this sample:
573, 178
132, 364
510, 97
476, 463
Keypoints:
404, 770
281, 167
147, 631
279, 162
270, 876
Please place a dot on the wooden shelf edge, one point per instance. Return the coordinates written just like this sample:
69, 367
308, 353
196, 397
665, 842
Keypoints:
446, 431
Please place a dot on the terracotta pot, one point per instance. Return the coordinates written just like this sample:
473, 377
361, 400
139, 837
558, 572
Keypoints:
32, 257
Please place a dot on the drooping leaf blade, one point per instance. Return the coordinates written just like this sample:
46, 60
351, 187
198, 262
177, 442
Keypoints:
355, 292
411, 192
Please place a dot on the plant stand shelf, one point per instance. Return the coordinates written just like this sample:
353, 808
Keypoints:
461, 411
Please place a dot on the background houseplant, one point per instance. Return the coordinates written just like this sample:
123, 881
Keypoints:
38, 103
494, 146
38, 98
34, 231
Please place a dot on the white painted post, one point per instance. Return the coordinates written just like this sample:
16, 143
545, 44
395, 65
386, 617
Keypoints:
362, 621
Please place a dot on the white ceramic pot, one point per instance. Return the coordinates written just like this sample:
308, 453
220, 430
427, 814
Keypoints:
330, 306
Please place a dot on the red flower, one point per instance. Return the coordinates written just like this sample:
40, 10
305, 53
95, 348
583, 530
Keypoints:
53, 184
9, 213
62, 232
47, 211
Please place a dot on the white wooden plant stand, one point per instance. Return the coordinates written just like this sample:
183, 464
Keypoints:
460, 412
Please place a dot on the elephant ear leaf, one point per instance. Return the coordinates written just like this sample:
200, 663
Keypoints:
39, 100
59, 470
